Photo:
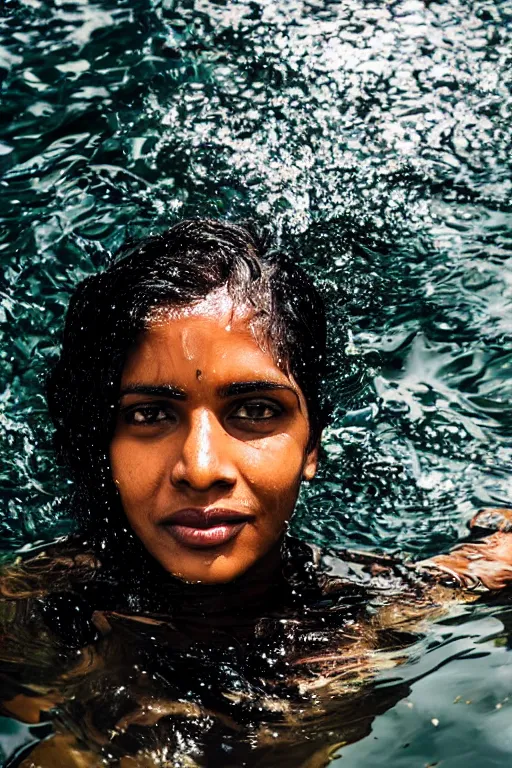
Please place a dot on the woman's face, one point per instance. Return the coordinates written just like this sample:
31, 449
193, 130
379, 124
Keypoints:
210, 444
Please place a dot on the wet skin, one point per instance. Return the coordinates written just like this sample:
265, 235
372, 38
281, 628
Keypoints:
210, 445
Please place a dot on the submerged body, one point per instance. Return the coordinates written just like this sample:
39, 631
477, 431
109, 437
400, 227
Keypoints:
163, 673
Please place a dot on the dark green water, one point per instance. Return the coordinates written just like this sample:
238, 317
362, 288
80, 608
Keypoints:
375, 135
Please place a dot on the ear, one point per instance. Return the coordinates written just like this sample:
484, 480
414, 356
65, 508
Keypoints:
311, 463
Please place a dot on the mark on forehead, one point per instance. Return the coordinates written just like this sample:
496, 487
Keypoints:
199, 374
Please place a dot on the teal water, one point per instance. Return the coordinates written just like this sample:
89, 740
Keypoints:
376, 136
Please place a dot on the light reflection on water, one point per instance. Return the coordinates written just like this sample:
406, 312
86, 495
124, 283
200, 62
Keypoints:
458, 716
377, 136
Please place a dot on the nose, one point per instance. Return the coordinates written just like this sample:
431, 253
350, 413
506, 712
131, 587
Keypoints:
204, 460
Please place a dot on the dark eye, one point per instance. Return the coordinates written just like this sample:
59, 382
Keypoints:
257, 410
147, 415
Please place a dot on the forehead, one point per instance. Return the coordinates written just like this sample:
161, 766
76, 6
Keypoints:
211, 341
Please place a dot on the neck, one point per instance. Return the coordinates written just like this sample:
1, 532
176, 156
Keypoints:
254, 592
150, 589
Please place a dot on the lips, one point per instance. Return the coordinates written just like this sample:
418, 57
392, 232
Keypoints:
203, 528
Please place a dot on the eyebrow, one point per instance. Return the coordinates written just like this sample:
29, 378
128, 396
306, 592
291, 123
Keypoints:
160, 390
246, 387
231, 390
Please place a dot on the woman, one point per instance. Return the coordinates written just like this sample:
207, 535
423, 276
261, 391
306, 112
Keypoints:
188, 406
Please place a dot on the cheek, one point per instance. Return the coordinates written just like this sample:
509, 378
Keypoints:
274, 470
136, 470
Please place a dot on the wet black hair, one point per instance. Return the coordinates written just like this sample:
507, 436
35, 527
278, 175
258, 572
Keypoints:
109, 310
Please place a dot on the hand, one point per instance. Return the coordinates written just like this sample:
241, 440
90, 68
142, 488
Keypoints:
486, 564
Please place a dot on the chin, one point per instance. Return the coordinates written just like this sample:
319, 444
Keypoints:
204, 566
215, 565
214, 573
